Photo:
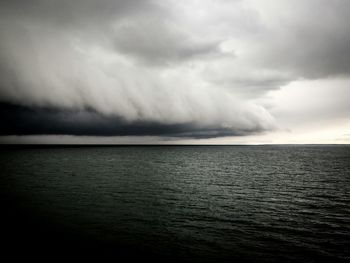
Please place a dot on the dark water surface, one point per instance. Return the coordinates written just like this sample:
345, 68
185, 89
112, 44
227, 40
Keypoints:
178, 203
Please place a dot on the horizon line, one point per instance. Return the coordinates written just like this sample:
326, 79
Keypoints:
159, 144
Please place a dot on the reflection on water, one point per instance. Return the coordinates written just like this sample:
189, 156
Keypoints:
205, 203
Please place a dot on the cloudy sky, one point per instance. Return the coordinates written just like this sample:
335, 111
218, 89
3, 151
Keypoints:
175, 71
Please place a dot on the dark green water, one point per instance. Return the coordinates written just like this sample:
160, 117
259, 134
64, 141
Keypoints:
180, 203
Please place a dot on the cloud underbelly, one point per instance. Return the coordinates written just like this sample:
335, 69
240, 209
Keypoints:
24, 120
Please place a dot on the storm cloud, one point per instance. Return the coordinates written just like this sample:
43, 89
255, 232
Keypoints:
20, 120
195, 69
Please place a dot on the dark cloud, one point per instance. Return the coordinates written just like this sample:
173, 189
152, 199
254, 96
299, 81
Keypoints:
164, 68
21, 120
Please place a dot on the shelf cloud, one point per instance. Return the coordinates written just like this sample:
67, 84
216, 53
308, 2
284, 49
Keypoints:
20, 120
196, 69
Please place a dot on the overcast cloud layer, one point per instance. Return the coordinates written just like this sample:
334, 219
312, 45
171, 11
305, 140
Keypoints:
196, 69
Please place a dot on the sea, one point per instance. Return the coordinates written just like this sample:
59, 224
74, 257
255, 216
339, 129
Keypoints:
281, 203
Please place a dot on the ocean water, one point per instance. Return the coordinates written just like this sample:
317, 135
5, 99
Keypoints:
177, 203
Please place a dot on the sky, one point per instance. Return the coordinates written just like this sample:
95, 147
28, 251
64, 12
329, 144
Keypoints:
175, 71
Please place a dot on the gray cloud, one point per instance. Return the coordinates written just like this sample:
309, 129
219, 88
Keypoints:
290, 40
308, 38
185, 69
158, 41
65, 12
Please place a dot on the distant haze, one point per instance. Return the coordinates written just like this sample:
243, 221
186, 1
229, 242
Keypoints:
166, 71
